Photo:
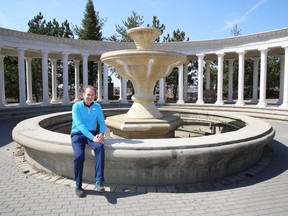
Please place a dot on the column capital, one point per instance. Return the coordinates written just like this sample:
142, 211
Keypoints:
45, 51
264, 50
200, 55
219, 54
28, 58
21, 50
85, 55
241, 52
65, 53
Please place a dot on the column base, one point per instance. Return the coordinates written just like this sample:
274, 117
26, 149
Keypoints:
240, 103
180, 102
219, 103
76, 100
229, 101
161, 102
29, 101
23, 104
255, 101
54, 101
284, 106
261, 104
200, 102
99, 100
123, 101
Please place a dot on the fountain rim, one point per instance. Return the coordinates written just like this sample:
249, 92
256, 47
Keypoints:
31, 129
147, 162
126, 52
143, 28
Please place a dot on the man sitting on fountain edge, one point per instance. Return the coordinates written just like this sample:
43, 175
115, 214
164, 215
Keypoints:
88, 127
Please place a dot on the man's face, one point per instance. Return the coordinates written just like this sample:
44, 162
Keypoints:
89, 96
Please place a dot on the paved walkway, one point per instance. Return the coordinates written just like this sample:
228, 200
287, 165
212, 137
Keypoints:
262, 190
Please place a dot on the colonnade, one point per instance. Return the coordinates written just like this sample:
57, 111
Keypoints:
253, 50
25, 80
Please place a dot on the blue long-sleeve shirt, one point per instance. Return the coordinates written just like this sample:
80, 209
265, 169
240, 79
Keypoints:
86, 119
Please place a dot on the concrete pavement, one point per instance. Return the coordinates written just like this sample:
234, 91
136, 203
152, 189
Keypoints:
261, 190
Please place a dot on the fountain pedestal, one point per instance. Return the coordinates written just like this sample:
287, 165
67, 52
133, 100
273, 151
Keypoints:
143, 66
129, 128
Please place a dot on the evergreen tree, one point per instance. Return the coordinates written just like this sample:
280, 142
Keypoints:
91, 24
52, 28
172, 79
235, 31
91, 30
156, 24
273, 76
132, 21
177, 36
11, 78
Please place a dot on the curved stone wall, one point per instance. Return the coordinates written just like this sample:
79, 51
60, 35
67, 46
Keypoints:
149, 161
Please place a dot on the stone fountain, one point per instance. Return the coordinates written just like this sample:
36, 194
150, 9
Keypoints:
158, 160
144, 66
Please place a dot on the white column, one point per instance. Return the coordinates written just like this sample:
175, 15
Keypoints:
220, 79
255, 80
2, 81
180, 85
241, 67
263, 78
123, 90
77, 82
208, 66
85, 70
161, 91
54, 80
65, 99
45, 93
200, 79
185, 81
21, 77
285, 86
282, 59
105, 84
230, 80
29, 81
99, 96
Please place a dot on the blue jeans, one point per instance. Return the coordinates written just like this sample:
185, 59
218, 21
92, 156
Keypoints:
79, 142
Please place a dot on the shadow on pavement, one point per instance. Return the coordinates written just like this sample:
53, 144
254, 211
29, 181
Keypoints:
272, 164
6, 127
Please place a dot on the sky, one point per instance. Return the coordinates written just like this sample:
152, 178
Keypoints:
199, 19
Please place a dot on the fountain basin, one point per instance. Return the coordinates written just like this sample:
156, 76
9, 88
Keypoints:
149, 161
